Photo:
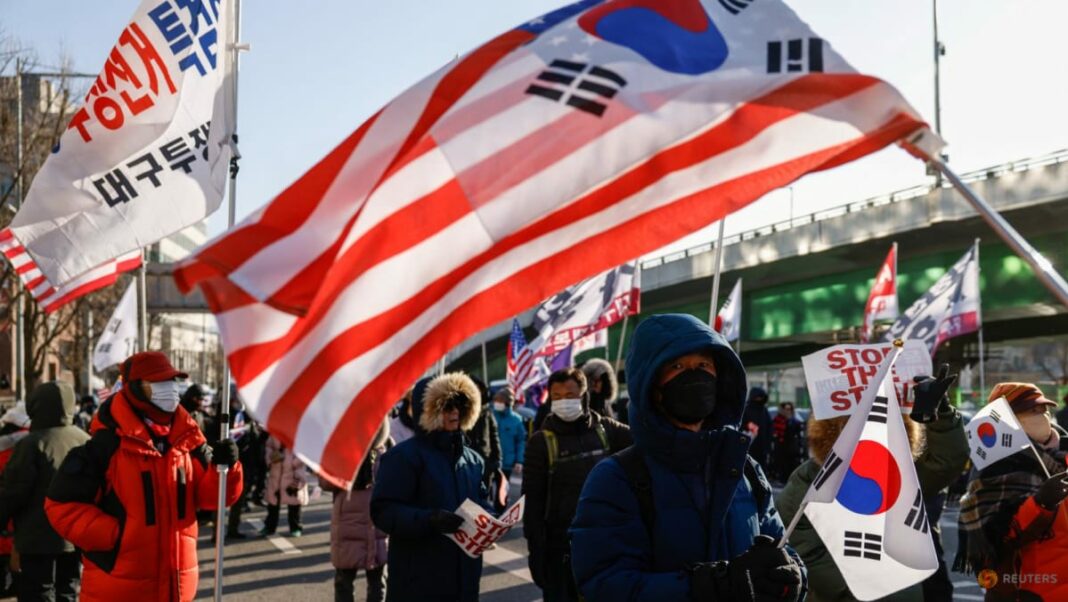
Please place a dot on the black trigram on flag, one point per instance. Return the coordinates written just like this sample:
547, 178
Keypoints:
863, 545
995, 416
830, 465
578, 85
878, 410
917, 517
735, 6
795, 56
1006, 440
980, 452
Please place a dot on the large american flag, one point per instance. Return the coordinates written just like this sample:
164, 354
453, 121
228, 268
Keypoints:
571, 144
51, 298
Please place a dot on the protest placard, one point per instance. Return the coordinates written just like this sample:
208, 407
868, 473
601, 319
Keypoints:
480, 529
837, 376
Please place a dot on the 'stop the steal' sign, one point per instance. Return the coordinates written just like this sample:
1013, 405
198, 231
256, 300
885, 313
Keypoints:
837, 376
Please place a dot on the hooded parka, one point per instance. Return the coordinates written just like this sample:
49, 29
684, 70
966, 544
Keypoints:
434, 470
128, 500
705, 510
34, 462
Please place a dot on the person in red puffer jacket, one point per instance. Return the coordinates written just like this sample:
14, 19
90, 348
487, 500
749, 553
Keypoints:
128, 498
14, 425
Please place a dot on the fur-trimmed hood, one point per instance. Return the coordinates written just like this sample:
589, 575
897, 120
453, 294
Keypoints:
595, 369
823, 433
440, 390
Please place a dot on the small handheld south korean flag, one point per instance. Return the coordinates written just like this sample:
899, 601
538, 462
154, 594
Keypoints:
994, 433
866, 504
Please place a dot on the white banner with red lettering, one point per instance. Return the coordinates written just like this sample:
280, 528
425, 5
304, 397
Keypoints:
591, 305
481, 529
148, 151
838, 376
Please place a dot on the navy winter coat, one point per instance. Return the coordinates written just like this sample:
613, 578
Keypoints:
705, 508
425, 473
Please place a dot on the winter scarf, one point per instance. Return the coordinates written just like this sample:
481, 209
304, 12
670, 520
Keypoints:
990, 503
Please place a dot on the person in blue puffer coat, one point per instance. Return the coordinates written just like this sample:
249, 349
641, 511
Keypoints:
420, 484
688, 513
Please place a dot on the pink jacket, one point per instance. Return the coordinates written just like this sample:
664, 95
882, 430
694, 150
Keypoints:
284, 472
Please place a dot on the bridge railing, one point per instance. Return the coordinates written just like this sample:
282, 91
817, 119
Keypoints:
883, 199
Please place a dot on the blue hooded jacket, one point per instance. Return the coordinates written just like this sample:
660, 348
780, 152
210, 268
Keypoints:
705, 509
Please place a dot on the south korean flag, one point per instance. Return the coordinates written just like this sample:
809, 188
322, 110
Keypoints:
994, 433
866, 503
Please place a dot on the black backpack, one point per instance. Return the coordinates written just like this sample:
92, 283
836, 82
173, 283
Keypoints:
641, 482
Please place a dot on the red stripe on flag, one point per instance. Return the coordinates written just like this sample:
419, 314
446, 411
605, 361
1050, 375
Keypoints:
747, 122
342, 453
92, 285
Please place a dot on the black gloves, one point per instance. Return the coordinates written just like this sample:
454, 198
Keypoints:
1053, 491
223, 453
930, 395
444, 521
763, 573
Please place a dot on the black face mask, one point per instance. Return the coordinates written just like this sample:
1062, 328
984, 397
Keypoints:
689, 397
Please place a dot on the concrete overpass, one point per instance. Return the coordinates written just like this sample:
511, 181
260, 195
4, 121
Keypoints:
806, 279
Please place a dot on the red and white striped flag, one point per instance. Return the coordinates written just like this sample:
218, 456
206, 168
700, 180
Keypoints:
51, 298
524, 368
571, 144
882, 301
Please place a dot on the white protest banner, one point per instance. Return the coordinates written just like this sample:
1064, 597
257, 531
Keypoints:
837, 376
994, 433
148, 151
119, 340
591, 305
480, 529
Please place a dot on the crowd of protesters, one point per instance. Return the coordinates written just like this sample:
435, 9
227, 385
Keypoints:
664, 493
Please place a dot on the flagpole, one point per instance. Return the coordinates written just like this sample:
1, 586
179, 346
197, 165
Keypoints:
982, 354
234, 47
20, 305
1039, 457
1041, 266
715, 278
485, 365
142, 305
89, 353
622, 339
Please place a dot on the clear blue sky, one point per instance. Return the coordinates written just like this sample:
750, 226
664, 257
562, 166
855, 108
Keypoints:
317, 69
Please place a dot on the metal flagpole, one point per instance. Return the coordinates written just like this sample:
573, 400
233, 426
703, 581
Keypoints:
89, 353
20, 305
142, 305
712, 309
485, 365
738, 347
1041, 266
622, 339
235, 47
982, 354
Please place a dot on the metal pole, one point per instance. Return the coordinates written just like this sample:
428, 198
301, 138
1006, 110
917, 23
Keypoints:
622, 339
142, 305
715, 278
939, 50
89, 352
982, 353
235, 47
1041, 266
20, 307
485, 365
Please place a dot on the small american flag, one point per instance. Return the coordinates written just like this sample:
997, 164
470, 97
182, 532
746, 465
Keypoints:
524, 369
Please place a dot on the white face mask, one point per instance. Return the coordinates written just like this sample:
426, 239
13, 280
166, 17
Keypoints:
498, 406
165, 395
567, 410
1037, 426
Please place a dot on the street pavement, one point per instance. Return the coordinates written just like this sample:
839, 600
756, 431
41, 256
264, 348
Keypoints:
287, 569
